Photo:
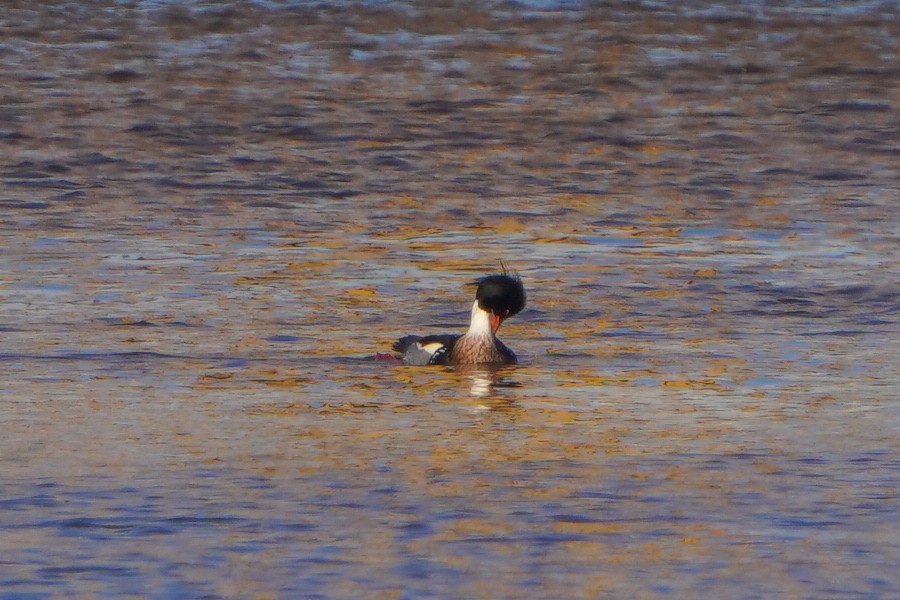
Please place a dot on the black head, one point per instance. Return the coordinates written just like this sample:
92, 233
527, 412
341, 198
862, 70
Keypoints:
502, 295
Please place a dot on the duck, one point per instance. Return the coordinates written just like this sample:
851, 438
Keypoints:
497, 297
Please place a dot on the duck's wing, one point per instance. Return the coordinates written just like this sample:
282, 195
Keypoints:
427, 350
509, 357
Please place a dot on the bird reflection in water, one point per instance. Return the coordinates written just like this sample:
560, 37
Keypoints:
484, 380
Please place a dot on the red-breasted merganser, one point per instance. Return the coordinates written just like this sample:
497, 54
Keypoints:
497, 298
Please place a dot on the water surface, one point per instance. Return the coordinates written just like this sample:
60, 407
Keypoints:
214, 215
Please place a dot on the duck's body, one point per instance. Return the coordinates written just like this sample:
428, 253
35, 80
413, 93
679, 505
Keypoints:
498, 297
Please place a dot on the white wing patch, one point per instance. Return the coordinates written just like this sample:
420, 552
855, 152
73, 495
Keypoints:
430, 348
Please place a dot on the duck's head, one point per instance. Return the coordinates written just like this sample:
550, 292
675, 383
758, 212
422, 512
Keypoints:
501, 296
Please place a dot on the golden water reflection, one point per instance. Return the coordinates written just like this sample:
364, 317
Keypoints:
214, 217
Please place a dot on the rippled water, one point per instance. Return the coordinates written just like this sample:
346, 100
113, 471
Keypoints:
215, 214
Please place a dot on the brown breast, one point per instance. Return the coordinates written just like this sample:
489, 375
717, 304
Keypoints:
471, 349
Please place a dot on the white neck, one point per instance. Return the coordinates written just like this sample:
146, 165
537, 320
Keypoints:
480, 323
